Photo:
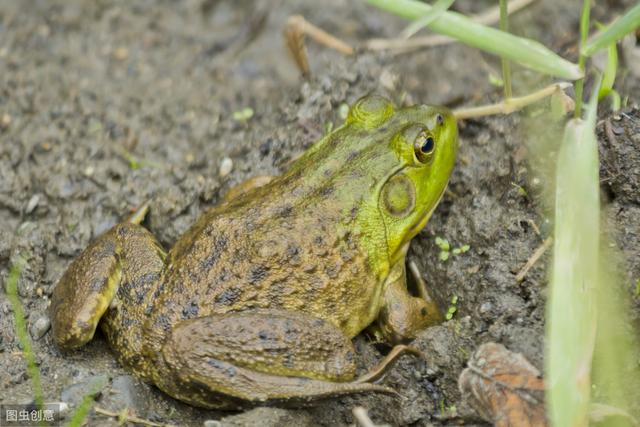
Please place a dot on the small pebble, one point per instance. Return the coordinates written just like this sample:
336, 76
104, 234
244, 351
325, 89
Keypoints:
121, 53
33, 203
75, 393
225, 167
486, 307
5, 121
40, 327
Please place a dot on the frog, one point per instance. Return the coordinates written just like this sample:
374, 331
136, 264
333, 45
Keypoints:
258, 302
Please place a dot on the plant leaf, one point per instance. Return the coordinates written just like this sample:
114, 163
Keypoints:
526, 52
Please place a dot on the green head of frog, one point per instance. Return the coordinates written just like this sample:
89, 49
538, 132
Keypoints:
391, 169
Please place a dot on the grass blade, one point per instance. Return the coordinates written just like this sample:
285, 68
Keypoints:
614, 32
436, 10
571, 310
526, 52
21, 329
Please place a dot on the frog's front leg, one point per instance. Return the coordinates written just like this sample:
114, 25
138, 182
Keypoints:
128, 254
402, 315
238, 359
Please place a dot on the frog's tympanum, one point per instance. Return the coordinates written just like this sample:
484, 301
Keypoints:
257, 303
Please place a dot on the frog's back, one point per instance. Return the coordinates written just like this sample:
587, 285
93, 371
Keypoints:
259, 254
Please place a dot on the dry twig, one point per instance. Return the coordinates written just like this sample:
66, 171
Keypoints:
534, 258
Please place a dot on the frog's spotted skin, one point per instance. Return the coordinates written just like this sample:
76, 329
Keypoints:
257, 302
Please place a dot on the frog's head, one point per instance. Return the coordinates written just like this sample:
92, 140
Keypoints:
415, 149
383, 172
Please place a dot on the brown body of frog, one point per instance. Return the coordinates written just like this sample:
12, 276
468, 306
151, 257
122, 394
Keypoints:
257, 302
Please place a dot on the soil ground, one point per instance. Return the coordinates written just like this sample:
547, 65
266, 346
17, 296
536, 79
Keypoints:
106, 104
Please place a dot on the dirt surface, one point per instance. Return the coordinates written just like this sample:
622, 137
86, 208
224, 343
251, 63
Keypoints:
106, 104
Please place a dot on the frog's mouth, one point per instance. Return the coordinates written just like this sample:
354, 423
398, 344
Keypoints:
422, 222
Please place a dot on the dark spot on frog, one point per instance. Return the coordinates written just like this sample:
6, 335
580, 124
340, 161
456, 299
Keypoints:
128, 322
285, 211
354, 212
229, 296
293, 252
265, 335
154, 297
257, 274
327, 173
423, 311
224, 275
229, 370
98, 284
327, 190
352, 155
190, 311
219, 244
147, 279
163, 322
349, 356
382, 129
107, 249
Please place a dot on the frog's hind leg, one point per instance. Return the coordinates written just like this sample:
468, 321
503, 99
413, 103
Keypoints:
126, 254
246, 358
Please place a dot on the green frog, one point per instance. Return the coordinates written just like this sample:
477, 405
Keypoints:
258, 301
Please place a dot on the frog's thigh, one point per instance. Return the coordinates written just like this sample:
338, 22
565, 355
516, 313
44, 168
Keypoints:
402, 315
91, 282
262, 356
246, 186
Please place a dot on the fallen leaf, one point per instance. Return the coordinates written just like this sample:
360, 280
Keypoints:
504, 388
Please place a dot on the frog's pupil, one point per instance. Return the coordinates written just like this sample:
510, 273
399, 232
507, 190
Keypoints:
427, 147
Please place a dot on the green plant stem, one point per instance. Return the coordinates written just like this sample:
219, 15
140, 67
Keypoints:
21, 330
584, 33
510, 105
506, 66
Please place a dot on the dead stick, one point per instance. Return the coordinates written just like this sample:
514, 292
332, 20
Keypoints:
510, 105
360, 414
534, 258
130, 419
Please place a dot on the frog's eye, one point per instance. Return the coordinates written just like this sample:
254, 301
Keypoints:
370, 111
424, 145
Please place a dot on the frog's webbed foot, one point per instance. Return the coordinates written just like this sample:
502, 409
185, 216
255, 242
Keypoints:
246, 358
89, 286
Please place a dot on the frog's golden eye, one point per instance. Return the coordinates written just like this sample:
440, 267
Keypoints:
424, 145
370, 111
